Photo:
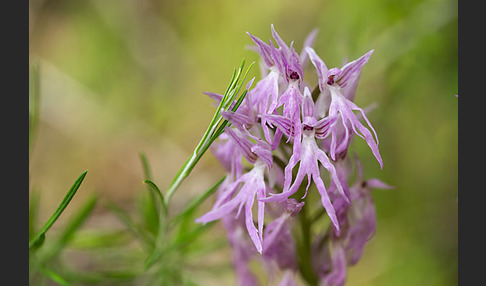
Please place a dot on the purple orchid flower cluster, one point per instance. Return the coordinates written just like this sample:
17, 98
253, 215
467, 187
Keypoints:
285, 132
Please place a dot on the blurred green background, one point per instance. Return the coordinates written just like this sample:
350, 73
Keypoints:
120, 77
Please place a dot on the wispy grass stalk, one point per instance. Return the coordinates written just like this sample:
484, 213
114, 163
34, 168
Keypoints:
39, 238
214, 129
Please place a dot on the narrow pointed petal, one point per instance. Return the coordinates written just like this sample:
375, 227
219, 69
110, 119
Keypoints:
266, 131
294, 62
248, 98
243, 143
340, 136
281, 122
292, 206
378, 184
352, 69
307, 104
220, 212
279, 40
215, 96
280, 58
322, 157
349, 91
322, 127
265, 94
326, 202
292, 101
252, 231
264, 49
226, 191
363, 114
319, 65
263, 151
261, 216
308, 42
287, 192
218, 97
239, 120
366, 133
276, 139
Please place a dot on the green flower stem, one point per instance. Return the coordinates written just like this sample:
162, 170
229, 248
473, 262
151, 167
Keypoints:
181, 175
318, 214
304, 247
214, 129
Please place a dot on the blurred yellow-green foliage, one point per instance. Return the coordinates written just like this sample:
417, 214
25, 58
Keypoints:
120, 77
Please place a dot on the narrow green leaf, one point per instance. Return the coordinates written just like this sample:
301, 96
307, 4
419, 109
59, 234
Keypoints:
230, 93
62, 206
39, 242
232, 80
54, 276
240, 83
162, 227
158, 193
242, 64
225, 123
69, 230
149, 210
146, 166
153, 257
208, 136
75, 223
239, 101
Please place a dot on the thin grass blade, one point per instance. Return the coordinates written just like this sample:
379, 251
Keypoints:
159, 195
54, 276
162, 227
208, 136
40, 236
70, 229
149, 209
